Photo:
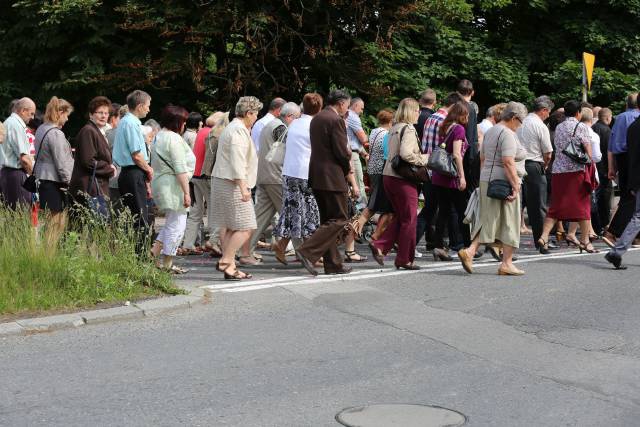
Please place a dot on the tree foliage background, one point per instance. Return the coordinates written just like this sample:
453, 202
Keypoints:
203, 54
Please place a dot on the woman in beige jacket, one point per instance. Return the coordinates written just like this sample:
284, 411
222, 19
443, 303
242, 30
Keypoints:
234, 174
402, 194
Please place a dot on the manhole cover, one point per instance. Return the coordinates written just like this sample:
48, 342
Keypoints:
400, 415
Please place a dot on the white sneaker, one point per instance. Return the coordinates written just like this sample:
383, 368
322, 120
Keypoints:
418, 254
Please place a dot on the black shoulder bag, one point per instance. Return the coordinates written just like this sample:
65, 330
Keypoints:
498, 188
31, 184
413, 173
575, 150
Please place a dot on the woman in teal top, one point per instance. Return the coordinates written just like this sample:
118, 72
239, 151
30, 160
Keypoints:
173, 163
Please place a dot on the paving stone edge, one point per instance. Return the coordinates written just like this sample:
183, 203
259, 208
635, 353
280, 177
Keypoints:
140, 310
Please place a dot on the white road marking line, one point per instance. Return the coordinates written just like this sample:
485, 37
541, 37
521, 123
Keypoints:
382, 272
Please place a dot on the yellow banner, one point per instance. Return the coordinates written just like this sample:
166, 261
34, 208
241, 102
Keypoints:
588, 61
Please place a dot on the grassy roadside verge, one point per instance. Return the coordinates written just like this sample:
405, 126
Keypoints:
93, 264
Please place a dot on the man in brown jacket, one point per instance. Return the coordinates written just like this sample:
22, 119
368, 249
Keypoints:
329, 165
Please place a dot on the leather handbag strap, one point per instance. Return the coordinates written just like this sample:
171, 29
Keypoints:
35, 162
493, 162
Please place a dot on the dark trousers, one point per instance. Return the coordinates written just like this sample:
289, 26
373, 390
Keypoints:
133, 193
603, 195
324, 241
627, 203
13, 193
535, 189
451, 204
427, 215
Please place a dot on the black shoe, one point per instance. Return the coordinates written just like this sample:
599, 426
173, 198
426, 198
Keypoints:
306, 264
616, 260
343, 270
552, 245
495, 253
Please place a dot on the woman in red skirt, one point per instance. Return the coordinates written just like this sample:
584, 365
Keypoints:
570, 186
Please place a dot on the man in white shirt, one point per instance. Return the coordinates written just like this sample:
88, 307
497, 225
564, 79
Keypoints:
534, 137
16, 161
274, 111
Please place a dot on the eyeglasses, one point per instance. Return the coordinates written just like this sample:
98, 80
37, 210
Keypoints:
518, 119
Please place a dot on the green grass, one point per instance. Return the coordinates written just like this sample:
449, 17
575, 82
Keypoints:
94, 263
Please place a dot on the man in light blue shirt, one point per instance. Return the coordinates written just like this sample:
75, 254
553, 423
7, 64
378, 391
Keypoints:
357, 139
619, 169
130, 152
16, 162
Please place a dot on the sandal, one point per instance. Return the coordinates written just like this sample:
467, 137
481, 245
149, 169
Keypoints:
177, 270
543, 246
253, 260
588, 247
410, 266
222, 266
189, 251
377, 254
236, 275
571, 240
353, 256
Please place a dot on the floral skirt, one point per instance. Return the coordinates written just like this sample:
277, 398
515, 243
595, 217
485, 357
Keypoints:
299, 216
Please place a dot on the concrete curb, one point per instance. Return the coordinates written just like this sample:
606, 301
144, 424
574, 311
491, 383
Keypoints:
75, 320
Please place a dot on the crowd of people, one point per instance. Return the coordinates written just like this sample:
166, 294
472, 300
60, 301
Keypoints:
306, 178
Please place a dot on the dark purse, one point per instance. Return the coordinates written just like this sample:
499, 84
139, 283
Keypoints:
31, 184
498, 189
410, 172
97, 204
575, 150
441, 161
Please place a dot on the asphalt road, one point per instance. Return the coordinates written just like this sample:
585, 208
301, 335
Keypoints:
557, 347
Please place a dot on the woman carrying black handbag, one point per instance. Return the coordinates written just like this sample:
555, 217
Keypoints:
502, 158
402, 193
53, 166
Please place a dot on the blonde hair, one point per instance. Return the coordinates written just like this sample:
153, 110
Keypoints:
408, 111
55, 107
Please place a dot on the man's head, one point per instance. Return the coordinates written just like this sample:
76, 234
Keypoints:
357, 105
339, 100
428, 98
605, 115
139, 103
276, 105
452, 99
542, 106
465, 88
289, 112
572, 109
596, 111
25, 108
632, 101
587, 115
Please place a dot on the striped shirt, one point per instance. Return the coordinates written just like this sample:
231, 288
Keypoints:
431, 126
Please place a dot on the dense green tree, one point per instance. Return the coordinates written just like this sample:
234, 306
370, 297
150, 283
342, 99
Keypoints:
205, 53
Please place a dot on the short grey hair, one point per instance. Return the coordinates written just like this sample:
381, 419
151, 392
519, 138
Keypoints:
23, 104
490, 112
247, 104
153, 125
290, 108
137, 97
542, 102
276, 103
514, 109
587, 115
